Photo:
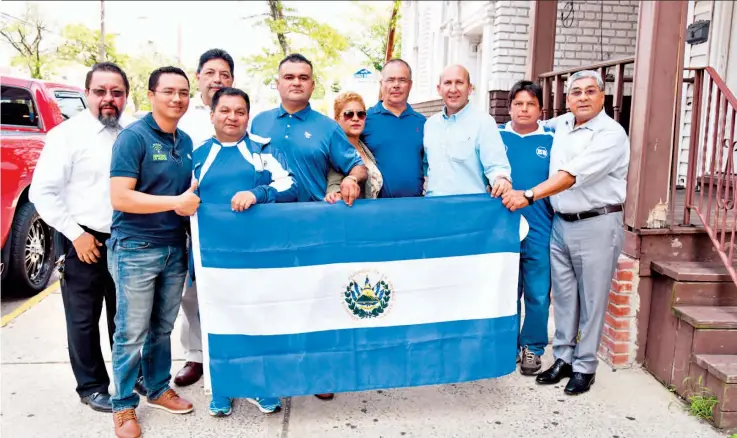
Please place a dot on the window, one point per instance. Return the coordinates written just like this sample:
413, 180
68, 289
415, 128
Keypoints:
17, 107
69, 103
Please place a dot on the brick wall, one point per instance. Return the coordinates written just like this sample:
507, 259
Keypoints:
499, 106
618, 342
429, 108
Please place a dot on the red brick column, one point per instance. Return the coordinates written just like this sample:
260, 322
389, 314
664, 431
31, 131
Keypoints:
618, 343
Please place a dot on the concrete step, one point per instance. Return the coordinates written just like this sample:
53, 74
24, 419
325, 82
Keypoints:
716, 374
708, 317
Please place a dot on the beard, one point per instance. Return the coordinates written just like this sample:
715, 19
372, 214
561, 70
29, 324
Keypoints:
109, 121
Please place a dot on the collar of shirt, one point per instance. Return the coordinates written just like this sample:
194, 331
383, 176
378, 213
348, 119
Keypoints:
457, 115
590, 124
539, 131
409, 111
150, 121
301, 114
197, 103
97, 126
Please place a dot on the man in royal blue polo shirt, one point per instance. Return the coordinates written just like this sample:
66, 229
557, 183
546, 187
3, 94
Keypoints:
152, 194
394, 133
311, 142
528, 146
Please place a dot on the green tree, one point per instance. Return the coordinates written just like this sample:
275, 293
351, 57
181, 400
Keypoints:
138, 69
83, 45
374, 23
27, 36
293, 33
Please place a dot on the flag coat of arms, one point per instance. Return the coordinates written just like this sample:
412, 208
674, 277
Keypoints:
308, 298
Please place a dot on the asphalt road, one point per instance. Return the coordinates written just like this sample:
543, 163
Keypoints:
11, 299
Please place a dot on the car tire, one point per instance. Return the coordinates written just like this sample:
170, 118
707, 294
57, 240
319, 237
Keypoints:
32, 239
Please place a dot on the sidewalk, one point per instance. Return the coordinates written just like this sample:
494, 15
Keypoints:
38, 400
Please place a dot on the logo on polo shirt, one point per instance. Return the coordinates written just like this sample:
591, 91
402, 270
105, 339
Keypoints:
541, 152
158, 156
307, 134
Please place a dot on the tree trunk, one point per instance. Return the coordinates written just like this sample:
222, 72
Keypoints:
102, 31
276, 9
392, 29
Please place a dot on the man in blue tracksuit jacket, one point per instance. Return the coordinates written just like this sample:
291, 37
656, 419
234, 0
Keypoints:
239, 169
528, 146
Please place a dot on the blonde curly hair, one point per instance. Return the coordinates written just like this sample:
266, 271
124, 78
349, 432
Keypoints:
342, 100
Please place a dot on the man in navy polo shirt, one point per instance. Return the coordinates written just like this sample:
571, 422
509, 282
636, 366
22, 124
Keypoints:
528, 147
394, 133
311, 142
152, 194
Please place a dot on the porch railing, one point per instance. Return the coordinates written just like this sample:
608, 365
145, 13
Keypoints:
711, 181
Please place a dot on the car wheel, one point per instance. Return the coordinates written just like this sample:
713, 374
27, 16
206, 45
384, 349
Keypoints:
31, 253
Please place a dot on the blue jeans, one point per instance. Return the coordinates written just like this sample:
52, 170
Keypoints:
534, 286
149, 280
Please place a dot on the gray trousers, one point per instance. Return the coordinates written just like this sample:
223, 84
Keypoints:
583, 259
191, 335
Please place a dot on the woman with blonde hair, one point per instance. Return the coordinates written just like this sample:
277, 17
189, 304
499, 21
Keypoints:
350, 113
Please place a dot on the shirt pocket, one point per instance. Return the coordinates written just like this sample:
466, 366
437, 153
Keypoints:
461, 151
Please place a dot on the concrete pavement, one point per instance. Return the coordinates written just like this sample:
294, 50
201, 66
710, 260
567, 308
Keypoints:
38, 400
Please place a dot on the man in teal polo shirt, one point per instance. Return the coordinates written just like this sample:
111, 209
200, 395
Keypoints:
152, 194
394, 134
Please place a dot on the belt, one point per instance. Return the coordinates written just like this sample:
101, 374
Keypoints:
572, 217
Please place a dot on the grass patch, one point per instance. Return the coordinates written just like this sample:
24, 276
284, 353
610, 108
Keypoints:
701, 400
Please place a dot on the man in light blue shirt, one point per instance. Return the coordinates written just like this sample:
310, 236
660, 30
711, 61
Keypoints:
464, 152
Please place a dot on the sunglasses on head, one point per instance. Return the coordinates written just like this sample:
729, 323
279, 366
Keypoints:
348, 115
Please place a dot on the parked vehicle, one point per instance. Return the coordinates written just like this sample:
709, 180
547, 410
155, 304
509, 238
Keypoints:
29, 108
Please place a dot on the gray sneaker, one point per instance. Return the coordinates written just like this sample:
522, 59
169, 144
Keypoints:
531, 363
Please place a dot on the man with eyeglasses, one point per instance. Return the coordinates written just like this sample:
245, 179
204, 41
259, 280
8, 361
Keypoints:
587, 185
394, 133
214, 72
71, 192
152, 194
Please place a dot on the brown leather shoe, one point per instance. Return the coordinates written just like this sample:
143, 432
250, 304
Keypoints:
326, 396
172, 403
126, 424
189, 374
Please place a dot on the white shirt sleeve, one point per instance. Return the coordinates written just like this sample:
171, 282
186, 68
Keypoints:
492, 153
52, 172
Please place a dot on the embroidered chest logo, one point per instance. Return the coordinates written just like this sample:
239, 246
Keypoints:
307, 134
158, 156
541, 152
368, 295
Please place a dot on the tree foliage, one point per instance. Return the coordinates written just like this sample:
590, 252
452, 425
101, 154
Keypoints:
138, 69
83, 45
26, 36
372, 39
292, 33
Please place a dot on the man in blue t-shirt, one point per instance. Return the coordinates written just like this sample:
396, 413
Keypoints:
311, 142
152, 195
394, 134
528, 146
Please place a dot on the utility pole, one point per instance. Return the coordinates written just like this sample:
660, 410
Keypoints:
390, 36
102, 30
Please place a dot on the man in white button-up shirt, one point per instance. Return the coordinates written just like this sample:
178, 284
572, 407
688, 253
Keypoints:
587, 184
214, 71
71, 192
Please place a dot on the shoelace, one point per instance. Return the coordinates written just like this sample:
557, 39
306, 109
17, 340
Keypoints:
123, 416
529, 356
168, 395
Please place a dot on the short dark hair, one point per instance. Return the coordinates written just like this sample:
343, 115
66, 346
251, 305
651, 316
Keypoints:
398, 61
108, 67
230, 91
528, 86
216, 54
295, 57
153, 80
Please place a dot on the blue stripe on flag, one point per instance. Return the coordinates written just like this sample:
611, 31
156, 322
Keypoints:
317, 233
362, 359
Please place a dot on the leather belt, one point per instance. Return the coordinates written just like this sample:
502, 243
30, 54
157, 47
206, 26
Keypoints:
572, 217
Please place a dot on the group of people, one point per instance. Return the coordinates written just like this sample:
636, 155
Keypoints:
122, 192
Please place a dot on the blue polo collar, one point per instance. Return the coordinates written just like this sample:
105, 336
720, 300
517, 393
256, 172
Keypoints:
301, 114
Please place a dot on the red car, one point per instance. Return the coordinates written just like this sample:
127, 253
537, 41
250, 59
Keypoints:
29, 109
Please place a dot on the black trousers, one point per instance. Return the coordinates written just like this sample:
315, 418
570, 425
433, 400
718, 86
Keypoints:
84, 289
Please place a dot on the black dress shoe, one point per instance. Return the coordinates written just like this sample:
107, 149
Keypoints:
98, 401
560, 370
579, 383
140, 388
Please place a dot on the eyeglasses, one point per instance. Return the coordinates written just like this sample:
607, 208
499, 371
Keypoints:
400, 81
100, 92
183, 94
590, 92
348, 115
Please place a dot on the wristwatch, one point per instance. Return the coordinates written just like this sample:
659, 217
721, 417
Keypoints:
530, 196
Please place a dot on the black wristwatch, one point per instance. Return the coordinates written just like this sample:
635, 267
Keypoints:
530, 196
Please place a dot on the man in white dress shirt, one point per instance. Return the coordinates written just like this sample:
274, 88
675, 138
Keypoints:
214, 71
71, 192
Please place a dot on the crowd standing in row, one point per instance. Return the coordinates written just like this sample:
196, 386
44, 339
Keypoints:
121, 194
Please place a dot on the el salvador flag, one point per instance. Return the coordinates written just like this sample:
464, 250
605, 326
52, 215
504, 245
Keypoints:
309, 298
